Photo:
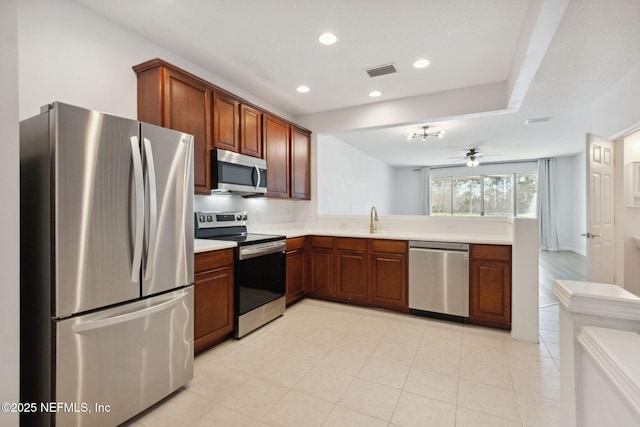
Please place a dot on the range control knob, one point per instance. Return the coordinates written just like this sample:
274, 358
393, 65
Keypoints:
209, 218
238, 217
244, 217
201, 218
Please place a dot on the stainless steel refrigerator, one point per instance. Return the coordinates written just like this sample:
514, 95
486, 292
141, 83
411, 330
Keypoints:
106, 266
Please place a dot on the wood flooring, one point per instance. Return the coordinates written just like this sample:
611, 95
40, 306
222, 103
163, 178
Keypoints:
566, 265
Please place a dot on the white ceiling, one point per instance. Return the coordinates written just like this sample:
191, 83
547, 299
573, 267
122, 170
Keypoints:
269, 47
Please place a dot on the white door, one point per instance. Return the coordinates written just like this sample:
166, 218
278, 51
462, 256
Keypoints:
599, 209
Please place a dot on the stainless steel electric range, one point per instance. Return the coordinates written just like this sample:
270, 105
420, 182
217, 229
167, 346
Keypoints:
259, 268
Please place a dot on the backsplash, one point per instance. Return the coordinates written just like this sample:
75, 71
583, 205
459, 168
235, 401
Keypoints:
261, 210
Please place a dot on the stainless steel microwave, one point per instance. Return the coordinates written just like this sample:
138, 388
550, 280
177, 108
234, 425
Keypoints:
237, 173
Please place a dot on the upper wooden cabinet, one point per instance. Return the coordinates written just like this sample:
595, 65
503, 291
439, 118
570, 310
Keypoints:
237, 127
250, 131
288, 154
173, 98
226, 122
176, 100
276, 150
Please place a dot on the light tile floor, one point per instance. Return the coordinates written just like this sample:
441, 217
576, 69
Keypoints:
326, 364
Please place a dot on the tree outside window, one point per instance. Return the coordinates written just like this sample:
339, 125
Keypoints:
491, 195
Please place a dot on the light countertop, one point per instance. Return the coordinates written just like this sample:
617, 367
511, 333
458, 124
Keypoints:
204, 245
393, 235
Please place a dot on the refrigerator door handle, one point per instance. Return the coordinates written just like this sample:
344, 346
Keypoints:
153, 210
139, 214
123, 318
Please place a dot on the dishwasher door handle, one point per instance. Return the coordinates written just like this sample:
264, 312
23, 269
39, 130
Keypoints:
444, 251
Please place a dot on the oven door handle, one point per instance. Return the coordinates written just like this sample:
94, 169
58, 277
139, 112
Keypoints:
246, 252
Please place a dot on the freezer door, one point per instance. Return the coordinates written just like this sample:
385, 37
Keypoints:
113, 364
97, 179
167, 160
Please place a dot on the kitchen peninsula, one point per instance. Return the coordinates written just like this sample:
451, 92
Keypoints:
330, 236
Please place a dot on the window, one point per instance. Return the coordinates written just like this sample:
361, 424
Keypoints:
513, 194
526, 194
467, 196
498, 195
440, 196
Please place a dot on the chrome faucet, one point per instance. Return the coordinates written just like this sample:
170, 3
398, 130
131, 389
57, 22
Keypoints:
374, 217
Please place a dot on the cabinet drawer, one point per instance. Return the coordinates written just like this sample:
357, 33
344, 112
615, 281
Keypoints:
491, 252
322, 242
295, 243
389, 246
351, 244
211, 260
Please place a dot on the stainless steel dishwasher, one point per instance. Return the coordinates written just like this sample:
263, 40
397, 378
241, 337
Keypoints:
439, 280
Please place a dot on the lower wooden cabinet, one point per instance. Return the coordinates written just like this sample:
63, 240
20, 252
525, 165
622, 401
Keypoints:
213, 299
321, 260
296, 269
490, 286
389, 274
370, 272
352, 269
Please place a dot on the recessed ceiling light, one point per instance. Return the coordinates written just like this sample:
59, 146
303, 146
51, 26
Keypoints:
375, 93
327, 38
421, 63
303, 89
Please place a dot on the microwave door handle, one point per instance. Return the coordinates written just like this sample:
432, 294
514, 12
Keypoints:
139, 209
258, 173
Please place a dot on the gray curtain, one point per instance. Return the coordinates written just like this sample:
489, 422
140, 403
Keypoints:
547, 204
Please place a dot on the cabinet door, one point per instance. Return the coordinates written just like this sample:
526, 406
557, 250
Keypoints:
321, 272
226, 124
213, 306
213, 299
276, 148
352, 276
187, 108
250, 131
300, 164
490, 293
296, 261
389, 280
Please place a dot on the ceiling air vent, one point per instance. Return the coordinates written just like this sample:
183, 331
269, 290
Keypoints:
537, 120
381, 70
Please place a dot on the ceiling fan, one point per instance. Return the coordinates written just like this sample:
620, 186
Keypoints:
471, 157
424, 134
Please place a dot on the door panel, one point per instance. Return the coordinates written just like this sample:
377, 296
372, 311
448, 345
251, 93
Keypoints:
600, 213
127, 357
168, 260
94, 226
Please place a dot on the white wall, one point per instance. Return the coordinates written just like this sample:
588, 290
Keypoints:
408, 192
10, 212
615, 114
70, 54
628, 218
571, 203
350, 181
